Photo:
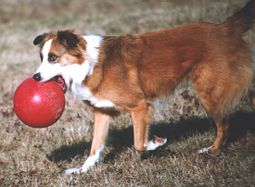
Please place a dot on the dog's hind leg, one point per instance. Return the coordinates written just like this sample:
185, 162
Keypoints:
219, 104
221, 137
222, 126
220, 85
222, 134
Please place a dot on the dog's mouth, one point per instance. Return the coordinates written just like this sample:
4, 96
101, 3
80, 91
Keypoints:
61, 82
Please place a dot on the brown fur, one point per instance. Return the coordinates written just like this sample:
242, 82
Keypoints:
139, 68
65, 45
133, 70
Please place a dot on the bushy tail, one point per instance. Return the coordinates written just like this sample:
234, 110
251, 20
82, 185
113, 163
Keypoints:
242, 20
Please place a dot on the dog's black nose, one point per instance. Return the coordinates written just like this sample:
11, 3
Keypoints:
37, 76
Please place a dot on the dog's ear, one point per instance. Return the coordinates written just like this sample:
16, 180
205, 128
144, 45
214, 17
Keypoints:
39, 39
68, 39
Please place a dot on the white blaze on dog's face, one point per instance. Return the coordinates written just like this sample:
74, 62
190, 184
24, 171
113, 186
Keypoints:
64, 53
49, 67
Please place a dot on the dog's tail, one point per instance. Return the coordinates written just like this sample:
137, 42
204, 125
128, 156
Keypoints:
242, 20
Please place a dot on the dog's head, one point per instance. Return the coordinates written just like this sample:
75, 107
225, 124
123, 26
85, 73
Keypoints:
62, 53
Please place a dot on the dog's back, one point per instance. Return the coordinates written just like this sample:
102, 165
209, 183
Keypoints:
213, 56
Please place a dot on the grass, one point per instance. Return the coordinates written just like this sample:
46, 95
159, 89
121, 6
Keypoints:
37, 157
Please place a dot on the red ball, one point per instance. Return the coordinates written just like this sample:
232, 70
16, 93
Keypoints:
39, 104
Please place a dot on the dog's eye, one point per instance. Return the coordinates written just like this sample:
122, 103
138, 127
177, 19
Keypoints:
52, 58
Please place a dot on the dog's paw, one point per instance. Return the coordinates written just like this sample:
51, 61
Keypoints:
205, 150
91, 161
155, 143
80, 170
73, 171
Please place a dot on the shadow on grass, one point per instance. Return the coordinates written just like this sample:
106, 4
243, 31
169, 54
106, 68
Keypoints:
120, 139
68, 153
241, 123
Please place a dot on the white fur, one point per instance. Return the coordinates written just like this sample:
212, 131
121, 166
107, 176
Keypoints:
83, 93
46, 50
152, 145
205, 150
92, 47
90, 162
75, 73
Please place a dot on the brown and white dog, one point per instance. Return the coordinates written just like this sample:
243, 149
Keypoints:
126, 73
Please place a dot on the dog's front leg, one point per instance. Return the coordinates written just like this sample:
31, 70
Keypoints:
141, 118
101, 126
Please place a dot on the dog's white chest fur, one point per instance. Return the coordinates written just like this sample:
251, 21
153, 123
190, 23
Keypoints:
83, 93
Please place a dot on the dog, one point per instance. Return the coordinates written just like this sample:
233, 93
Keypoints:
126, 73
